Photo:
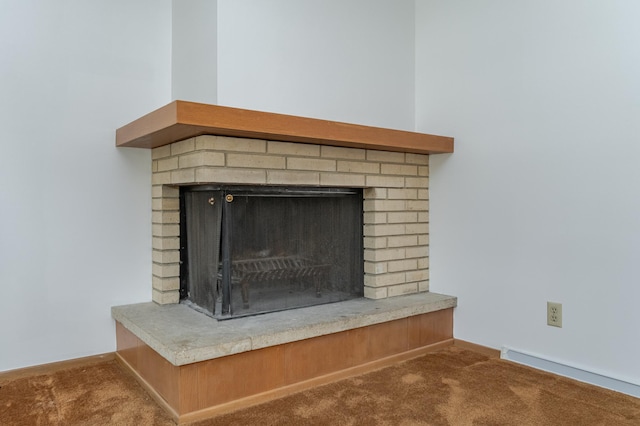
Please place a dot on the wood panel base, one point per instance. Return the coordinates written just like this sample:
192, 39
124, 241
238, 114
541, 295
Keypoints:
203, 389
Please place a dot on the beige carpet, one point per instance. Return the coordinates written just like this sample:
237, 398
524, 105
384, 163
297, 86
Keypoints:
450, 387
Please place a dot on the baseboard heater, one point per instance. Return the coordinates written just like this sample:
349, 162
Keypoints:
569, 371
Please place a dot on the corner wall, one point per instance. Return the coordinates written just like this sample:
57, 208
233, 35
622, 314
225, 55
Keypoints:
74, 72
539, 202
350, 61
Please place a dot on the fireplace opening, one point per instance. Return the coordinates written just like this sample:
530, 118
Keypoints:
248, 250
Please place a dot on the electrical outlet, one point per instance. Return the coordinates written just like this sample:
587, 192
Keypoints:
554, 314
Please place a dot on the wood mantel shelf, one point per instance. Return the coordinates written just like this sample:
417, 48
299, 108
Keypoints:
182, 120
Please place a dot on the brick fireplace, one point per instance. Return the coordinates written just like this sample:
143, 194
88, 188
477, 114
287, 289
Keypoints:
396, 201
182, 356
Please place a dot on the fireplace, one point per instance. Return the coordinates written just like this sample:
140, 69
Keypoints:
266, 168
255, 249
395, 201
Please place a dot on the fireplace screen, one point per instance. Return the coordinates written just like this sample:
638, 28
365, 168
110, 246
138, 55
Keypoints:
250, 250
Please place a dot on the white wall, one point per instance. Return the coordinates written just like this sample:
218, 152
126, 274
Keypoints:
73, 72
194, 50
74, 210
332, 59
540, 201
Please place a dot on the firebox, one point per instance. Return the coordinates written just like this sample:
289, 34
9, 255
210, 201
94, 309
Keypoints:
248, 250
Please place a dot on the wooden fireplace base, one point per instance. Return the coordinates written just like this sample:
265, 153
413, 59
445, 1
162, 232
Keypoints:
202, 389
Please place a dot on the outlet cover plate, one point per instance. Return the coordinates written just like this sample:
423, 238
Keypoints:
554, 314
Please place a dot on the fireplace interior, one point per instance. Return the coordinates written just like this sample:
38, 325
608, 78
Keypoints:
248, 250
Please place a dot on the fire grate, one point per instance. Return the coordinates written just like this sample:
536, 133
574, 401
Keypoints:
246, 271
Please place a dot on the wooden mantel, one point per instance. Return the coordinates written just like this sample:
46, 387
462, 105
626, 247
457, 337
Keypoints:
182, 120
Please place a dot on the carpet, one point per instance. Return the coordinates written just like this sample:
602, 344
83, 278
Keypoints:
453, 386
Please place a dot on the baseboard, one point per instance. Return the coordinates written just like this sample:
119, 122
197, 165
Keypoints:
561, 369
485, 350
36, 370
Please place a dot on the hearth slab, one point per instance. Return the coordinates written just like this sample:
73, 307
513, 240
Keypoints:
183, 336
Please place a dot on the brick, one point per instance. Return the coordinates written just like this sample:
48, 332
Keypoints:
165, 284
161, 152
423, 286
181, 147
315, 164
382, 255
375, 193
418, 205
165, 204
380, 230
375, 268
385, 181
293, 149
158, 230
423, 171
417, 182
201, 158
374, 217
339, 179
275, 177
403, 194
423, 240
423, 263
384, 280
183, 176
419, 251
206, 142
417, 228
375, 242
358, 167
229, 175
160, 178
170, 217
402, 241
420, 275
342, 153
165, 217
399, 169
423, 194
164, 270
384, 205
165, 243
423, 217
399, 290
156, 191
387, 156
166, 256
154, 166
256, 161
375, 292
225, 143
164, 164
402, 265
170, 191
165, 297
421, 159
402, 217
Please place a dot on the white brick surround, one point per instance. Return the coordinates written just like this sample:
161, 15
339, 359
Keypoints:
396, 201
